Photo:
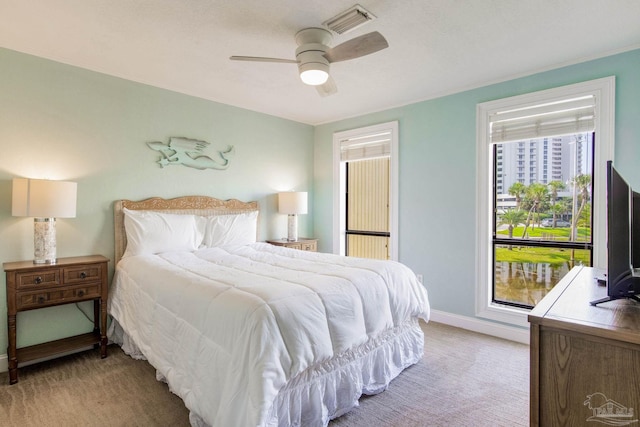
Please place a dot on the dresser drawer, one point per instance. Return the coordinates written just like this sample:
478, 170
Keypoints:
82, 273
42, 298
43, 277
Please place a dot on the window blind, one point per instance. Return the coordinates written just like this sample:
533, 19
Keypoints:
366, 147
543, 120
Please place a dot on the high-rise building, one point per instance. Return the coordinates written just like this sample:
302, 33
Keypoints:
541, 161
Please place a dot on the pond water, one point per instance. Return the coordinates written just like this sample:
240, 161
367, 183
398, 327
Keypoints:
527, 283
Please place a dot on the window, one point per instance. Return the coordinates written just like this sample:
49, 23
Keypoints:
366, 191
548, 230
525, 121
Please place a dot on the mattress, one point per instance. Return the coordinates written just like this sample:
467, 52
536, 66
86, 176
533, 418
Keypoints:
260, 335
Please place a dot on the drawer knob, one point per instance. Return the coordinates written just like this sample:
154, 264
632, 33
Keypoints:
83, 275
80, 293
37, 280
40, 299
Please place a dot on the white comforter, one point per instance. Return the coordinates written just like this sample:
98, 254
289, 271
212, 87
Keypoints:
230, 328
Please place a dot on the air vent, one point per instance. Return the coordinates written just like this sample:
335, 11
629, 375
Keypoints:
349, 20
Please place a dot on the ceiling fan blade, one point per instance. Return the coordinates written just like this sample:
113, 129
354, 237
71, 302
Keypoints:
357, 47
261, 59
327, 88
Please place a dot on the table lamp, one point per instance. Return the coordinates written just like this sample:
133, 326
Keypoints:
292, 203
45, 201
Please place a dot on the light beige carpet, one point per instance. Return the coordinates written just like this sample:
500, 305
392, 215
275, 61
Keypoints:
464, 379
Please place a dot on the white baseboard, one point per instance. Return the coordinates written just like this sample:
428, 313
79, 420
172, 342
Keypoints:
482, 326
4, 362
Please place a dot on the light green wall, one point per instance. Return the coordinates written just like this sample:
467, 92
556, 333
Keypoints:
62, 122
438, 171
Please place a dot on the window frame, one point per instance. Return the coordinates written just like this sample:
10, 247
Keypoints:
604, 91
339, 186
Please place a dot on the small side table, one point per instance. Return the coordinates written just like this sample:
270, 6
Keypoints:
31, 286
303, 243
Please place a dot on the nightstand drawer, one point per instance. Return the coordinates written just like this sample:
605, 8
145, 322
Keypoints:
310, 246
50, 277
302, 244
33, 299
82, 274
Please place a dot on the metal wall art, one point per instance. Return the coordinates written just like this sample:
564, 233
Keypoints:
190, 153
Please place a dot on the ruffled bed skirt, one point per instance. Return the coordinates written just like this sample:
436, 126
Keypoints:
329, 389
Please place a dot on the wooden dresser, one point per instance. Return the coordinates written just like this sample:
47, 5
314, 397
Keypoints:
303, 243
31, 286
585, 360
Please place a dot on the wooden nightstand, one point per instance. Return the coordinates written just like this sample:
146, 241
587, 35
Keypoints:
303, 243
31, 286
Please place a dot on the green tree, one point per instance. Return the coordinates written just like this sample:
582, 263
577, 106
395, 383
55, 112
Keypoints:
554, 187
566, 204
535, 197
512, 218
585, 216
518, 190
583, 186
557, 209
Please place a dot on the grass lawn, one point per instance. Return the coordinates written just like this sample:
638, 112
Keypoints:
550, 233
552, 256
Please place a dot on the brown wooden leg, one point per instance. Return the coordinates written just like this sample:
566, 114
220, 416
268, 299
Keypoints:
103, 328
96, 315
96, 325
11, 350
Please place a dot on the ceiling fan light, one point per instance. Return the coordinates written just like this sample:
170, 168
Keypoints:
314, 77
314, 73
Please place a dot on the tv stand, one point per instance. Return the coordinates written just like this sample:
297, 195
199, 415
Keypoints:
579, 351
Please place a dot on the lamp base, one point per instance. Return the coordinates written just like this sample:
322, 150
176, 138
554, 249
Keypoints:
292, 228
44, 240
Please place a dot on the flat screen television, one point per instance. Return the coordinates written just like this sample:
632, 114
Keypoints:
623, 239
635, 230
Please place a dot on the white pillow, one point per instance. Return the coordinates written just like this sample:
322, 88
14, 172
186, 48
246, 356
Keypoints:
238, 229
151, 232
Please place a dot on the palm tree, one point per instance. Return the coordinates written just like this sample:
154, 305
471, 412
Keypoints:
557, 209
512, 218
583, 185
566, 204
536, 194
555, 186
584, 220
518, 190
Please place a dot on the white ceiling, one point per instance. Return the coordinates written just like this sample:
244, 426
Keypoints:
436, 47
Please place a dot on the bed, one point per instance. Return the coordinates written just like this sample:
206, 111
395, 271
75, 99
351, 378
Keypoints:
251, 334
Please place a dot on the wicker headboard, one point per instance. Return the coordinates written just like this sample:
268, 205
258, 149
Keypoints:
198, 205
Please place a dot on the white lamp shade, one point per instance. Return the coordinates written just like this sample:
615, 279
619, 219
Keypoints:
41, 198
292, 202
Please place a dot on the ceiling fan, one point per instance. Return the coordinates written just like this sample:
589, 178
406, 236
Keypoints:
314, 54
